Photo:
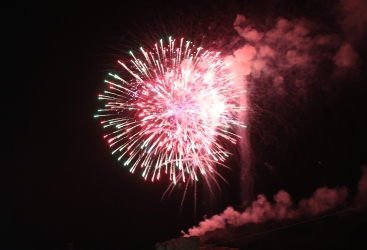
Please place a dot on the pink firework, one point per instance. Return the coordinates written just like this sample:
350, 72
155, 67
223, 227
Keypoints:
174, 112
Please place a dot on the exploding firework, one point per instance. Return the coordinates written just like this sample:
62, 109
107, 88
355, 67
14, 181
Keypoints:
174, 113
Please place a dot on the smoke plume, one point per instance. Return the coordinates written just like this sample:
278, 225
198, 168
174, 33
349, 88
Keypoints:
324, 199
288, 55
298, 45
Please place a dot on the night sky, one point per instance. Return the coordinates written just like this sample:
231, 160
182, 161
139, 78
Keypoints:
60, 183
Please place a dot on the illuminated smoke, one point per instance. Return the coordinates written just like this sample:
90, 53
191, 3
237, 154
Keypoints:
273, 54
261, 210
288, 45
288, 55
346, 56
240, 66
324, 199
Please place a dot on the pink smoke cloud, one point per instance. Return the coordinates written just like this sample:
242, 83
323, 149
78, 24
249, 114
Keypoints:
266, 51
261, 210
288, 45
323, 200
346, 56
246, 32
271, 53
296, 43
287, 55
241, 61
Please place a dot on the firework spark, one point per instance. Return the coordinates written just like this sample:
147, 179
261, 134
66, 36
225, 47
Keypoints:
174, 112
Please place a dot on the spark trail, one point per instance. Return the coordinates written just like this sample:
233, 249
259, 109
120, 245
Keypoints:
174, 114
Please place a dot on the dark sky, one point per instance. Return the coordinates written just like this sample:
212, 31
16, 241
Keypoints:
60, 183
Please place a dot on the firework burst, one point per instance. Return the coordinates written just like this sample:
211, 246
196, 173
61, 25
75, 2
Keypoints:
173, 113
